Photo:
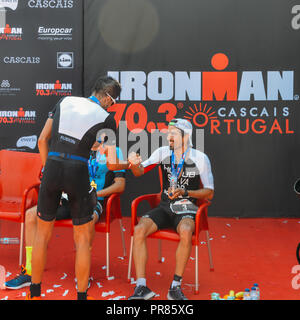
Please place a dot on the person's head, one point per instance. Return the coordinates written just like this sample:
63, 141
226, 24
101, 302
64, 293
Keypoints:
102, 138
180, 134
106, 89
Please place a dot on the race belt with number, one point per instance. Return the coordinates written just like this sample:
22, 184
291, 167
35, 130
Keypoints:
183, 206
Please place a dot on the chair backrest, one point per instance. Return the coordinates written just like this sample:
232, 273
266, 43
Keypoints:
18, 170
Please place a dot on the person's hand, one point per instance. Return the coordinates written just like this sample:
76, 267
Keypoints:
134, 159
173, 194
41, 174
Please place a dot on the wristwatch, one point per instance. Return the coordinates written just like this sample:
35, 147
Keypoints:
185, 193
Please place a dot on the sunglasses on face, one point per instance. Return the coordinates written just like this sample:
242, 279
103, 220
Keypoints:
112, 99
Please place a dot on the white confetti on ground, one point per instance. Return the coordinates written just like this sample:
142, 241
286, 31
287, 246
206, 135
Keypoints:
99, 285
104, 267
56, 285
23, 294
122, 258
111, 278
158, 273
49, 290
117, 298
65, 293
5, 298
106, 294
192, 258
64, 276
8, 274
228, 225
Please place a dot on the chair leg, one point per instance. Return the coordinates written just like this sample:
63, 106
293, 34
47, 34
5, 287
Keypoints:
21, 244
130, 260
159, 250
196, 269
123, 239
107, 255
209, 252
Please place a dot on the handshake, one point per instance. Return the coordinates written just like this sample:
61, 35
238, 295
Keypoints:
134, 159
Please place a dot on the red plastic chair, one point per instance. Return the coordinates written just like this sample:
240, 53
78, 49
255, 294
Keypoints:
19, 185
111, 211
201, 223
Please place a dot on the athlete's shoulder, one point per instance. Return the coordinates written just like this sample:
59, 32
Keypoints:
163, 152
165, 149
198, 156
197, 153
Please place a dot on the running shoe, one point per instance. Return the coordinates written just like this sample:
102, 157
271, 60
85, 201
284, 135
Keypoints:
142, 293
175, 293
20, 281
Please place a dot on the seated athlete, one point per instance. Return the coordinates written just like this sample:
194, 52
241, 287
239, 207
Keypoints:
108, 182
183, 168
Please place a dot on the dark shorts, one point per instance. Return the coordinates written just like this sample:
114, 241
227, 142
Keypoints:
64, 211
164, 218
72, 177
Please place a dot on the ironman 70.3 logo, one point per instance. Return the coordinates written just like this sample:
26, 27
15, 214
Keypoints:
219, 101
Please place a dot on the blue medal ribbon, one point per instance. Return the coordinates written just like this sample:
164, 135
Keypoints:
176, 172
94, 99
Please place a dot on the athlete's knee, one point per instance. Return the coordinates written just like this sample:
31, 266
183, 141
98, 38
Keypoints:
82, 236
185, 232
31, 215
140, 231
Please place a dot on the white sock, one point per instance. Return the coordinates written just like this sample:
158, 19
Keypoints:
141, 282
175, 283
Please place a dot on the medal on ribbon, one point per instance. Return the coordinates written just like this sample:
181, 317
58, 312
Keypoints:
92, 171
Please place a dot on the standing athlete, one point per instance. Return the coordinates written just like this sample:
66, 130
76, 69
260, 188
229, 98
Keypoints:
187, 177
72, 127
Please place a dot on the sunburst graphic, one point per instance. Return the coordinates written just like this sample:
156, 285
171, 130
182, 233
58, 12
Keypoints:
200, 115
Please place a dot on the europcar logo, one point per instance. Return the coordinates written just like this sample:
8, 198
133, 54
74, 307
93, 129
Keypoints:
224, 102
55, 33
57, 88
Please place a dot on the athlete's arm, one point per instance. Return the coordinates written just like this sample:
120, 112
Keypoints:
118, 186
43, 142
135, 164
138, 167
113, 163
